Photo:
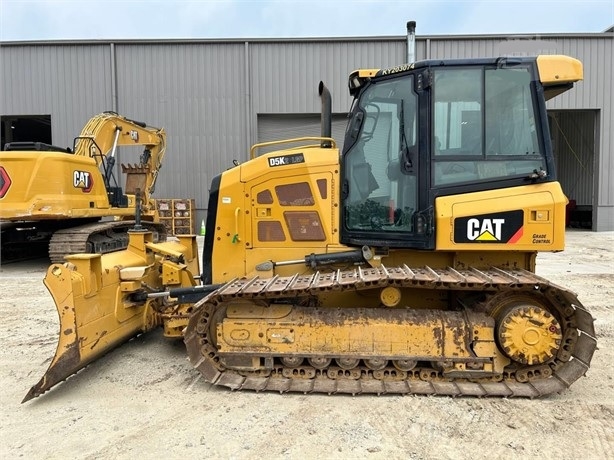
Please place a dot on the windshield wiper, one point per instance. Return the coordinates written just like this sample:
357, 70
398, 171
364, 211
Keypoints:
407, 165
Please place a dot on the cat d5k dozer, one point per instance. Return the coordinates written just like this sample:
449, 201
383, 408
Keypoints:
403, 264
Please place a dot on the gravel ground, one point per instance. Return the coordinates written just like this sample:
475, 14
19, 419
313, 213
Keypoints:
144, 399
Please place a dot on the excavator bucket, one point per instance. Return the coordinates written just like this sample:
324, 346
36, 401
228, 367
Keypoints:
102, 303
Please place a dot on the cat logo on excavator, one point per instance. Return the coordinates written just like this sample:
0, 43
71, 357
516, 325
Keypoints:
82, 180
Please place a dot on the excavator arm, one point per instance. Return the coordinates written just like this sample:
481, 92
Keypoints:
105, 132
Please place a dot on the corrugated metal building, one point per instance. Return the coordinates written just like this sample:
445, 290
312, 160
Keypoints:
216, 98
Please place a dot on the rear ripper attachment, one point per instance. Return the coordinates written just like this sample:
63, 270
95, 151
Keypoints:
511, 334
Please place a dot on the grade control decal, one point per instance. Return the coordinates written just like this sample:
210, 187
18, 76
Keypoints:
499, 227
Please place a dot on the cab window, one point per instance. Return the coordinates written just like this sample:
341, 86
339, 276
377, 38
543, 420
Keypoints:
483, 125
381, 188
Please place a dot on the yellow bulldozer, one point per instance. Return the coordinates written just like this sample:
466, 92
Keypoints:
56, 200
404, 263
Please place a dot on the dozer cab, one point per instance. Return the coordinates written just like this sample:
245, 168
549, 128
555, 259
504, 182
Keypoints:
64, 201
403, 264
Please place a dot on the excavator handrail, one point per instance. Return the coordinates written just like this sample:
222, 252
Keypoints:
252, 151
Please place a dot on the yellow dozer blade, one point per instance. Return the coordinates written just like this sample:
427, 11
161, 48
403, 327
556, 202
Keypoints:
102, 300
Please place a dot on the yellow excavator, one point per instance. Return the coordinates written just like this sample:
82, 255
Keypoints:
53, 199
404, 263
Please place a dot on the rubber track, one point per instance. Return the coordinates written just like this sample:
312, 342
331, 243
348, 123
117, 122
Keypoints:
74, 240
578, 349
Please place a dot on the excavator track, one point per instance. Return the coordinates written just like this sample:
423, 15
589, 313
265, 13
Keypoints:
99, 237
494, 285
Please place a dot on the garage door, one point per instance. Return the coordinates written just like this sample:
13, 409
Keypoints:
278, 127
574, 142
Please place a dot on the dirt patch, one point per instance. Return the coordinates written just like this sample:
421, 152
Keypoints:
144, 399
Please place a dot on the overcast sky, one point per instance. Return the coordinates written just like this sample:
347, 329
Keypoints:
142, 19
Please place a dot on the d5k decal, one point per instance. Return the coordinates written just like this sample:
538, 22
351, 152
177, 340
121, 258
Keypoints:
286, 160
499, 227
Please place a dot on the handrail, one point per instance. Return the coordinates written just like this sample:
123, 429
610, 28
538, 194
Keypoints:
235, 237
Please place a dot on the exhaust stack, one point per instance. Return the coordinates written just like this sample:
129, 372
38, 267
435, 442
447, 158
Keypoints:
326, 117
411, 42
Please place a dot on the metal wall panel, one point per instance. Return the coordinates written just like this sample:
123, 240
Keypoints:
208, 94
69, 82
461, 49
595, 92
279, 127
285, 75
197, 92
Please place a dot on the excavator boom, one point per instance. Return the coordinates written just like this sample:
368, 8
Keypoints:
104, 133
